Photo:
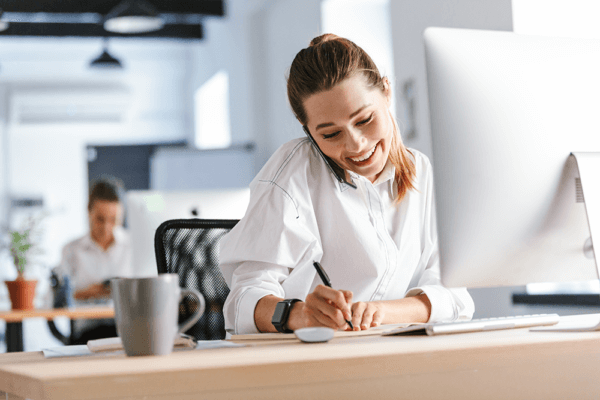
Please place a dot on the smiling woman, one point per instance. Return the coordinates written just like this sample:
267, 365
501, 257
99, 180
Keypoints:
370, 223
353, 100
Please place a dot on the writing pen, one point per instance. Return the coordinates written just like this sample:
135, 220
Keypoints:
327, 283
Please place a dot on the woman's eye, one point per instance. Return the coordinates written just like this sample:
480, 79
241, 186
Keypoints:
331, 135
365, 121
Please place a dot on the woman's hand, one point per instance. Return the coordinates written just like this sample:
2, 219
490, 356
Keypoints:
94, 291
323, 307
366, 315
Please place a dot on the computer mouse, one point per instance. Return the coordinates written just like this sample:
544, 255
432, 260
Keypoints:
314, 334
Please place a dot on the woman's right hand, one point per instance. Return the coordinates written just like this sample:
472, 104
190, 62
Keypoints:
323, 307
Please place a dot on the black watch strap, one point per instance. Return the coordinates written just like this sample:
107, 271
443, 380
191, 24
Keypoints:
281, 315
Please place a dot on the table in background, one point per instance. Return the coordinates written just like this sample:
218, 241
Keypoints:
514, 363
14, 320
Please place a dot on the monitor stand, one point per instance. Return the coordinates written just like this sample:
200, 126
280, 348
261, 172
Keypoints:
588, 165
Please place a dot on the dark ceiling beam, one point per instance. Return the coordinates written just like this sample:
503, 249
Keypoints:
94, 30
205, 7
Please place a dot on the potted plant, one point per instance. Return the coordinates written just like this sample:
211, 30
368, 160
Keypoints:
22, 248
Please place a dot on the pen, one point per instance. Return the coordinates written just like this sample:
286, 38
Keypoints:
327, 283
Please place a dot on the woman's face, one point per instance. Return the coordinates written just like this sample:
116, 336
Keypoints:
352, 125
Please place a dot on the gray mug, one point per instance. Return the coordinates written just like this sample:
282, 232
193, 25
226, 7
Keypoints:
146, 313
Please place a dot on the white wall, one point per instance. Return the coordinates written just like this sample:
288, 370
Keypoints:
280, 31
409, 20
565, 18
368, 24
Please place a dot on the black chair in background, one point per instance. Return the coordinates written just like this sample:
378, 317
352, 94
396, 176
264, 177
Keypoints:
190, 248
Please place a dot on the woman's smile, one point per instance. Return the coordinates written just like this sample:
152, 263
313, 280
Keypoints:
364, 158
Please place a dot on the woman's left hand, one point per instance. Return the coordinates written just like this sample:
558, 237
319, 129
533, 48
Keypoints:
366, 315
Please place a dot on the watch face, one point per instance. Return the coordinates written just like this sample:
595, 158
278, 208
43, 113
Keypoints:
279, 313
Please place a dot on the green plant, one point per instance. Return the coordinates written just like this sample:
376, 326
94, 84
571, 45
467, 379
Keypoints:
24, 243
20, 244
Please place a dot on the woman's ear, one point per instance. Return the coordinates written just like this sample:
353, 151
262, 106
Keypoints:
387, 91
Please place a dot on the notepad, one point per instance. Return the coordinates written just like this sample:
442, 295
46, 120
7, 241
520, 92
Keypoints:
378, 330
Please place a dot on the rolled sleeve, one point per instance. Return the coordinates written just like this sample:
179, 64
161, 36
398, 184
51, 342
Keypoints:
446, 304
246, 304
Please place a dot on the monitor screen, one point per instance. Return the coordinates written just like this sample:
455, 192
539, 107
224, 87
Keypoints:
147, 209
506, 112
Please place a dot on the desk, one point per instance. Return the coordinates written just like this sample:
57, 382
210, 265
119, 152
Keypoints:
488, 365
14, 320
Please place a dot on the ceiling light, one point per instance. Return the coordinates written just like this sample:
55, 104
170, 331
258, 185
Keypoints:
133, 16
105, 60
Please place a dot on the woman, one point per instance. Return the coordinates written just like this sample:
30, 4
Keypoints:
363, 208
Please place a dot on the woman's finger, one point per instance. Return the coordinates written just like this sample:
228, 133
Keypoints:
357, 314
337, 297
367, 317
377, 318
317, 318
323, 306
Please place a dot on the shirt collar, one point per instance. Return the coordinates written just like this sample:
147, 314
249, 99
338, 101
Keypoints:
387, 175
118, 233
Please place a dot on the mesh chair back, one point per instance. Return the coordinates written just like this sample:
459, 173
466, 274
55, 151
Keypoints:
190, 248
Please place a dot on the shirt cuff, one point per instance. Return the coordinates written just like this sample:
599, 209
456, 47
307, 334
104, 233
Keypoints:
442, 307
246, 304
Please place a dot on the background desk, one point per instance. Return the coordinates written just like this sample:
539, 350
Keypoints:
14, 320
491, 365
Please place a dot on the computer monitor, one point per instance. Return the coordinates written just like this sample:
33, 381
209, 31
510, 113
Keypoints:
147, 209
507, 111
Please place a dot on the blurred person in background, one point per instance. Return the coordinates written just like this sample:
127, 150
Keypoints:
92, 260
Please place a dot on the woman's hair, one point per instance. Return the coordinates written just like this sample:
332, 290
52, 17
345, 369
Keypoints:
327, 61
107, 189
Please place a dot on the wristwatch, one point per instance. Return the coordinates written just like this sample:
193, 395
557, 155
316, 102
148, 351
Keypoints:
281, 315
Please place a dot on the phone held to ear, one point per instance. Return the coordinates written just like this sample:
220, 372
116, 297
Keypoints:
335, 169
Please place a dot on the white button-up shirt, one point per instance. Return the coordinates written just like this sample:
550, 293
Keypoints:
87, 263
299, 213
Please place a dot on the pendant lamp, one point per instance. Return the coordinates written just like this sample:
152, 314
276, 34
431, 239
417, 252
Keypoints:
105, 60
133, 16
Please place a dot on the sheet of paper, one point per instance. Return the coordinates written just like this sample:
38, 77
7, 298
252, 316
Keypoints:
378, 330
67, 351
115, 343
215, 344
83, 350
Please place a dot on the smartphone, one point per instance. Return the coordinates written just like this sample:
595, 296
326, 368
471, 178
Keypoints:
337, 171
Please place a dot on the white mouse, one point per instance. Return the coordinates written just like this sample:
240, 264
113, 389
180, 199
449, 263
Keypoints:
314, 334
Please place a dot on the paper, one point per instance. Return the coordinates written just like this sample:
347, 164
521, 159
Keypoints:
378, 330
116, 348
67, 351
215, 344
115, 343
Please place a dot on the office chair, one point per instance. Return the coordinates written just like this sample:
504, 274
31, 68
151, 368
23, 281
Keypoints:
190, 248
61, 299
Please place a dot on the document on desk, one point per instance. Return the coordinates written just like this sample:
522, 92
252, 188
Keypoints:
378, 330
184, 342
111, 347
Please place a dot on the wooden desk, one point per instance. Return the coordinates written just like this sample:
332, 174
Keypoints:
14, 319
515, 364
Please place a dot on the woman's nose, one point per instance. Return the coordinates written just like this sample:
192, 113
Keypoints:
356, 141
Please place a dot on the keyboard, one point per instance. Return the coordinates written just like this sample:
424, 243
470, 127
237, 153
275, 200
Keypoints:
477, 325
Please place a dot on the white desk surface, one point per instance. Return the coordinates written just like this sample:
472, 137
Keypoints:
506, 364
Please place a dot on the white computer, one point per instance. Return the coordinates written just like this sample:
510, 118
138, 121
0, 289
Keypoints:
516, 156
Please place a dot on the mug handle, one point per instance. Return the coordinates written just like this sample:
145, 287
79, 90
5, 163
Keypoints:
185, 325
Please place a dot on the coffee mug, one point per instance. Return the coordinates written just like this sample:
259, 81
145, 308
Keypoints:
146, 313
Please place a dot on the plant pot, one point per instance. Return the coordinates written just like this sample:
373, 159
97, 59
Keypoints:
21, 293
